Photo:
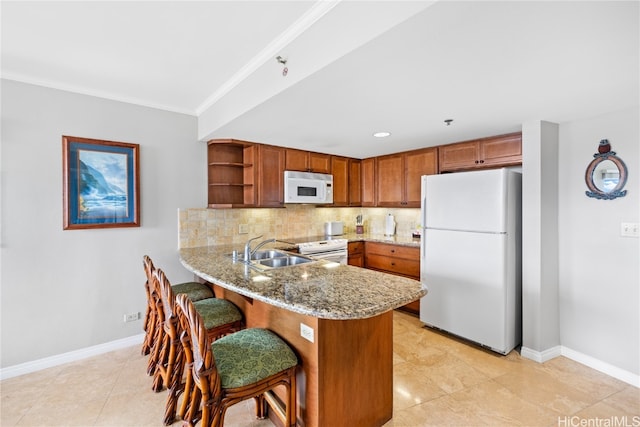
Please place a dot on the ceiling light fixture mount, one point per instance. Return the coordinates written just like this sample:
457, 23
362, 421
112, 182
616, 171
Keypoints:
381, 134
283, 61
448, 122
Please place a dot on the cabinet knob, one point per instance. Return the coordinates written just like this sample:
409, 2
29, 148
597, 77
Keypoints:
393, 263
393, 251
481, 161
477, 162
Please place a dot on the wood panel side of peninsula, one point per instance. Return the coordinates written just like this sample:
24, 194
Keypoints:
346, 374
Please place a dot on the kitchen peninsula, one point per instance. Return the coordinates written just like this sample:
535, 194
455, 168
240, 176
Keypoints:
345, 313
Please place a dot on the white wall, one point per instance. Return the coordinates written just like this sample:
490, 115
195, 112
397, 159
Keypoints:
599, 271
68, 290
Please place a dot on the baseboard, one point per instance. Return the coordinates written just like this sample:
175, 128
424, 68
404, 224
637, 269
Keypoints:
541, 356
72, 356
605, 368
591, 362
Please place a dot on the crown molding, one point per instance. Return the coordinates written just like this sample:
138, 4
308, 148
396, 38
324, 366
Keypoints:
90, 92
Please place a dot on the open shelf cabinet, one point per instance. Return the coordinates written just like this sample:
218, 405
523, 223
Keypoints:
231, 173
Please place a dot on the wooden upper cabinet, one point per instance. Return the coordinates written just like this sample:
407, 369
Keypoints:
390, 180
505, 150
307, 161
231, 173
367, 181
491, 152
340, 172
398, 176
271, 162
320, 163
355, 194
417, 164
296, 160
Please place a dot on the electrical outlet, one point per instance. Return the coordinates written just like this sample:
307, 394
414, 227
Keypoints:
131, 317
629, 229
306, 332
243, 228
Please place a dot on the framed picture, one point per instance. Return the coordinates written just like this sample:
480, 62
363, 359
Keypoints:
101, 185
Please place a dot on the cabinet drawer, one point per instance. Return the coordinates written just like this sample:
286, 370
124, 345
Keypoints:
393, 250
404, 267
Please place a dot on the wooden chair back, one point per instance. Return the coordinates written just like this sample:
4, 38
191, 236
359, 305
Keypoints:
197, 347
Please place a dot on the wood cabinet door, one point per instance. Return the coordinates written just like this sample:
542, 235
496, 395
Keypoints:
417, 164
390, 180
502, 150
355, 194
356, 254
459, 156
296, 160
367, 181
320, 163
340, 171
271, 176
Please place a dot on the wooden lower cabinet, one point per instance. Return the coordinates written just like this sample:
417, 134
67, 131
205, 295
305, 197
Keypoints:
356, 254
395, 259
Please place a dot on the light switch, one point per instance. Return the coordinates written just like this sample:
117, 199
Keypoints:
629, 229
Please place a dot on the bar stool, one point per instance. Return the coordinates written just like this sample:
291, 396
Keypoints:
243, 365
221, 317
196, 292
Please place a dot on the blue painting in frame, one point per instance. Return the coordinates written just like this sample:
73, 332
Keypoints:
100, 183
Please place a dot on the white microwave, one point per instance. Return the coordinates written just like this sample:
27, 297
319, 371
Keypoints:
307, 187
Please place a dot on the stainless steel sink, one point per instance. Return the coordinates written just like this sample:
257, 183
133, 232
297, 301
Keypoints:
267, 254
273, 258
284, 261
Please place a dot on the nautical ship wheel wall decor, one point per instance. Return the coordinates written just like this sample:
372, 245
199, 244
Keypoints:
606, 175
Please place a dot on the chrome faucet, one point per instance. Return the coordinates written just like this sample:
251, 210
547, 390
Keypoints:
247, 247
261, 244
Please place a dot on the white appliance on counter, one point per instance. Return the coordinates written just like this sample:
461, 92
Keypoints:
471, 256
307, 187
331, 250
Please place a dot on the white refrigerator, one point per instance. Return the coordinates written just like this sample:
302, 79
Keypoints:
471, 256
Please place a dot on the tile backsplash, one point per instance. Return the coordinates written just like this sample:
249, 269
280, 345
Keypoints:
204, 227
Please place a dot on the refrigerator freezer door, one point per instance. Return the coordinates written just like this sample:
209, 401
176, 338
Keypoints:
474, 201
467, 280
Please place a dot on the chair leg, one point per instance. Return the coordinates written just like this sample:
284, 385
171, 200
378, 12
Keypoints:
194, 413
149, 320
163, 360
291, 405
260, 407
174, 373
187, 391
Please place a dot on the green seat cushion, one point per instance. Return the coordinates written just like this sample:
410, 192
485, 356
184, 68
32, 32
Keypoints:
216, 312
194, 290
251, 355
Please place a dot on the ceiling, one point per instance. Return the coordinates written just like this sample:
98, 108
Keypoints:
354, 67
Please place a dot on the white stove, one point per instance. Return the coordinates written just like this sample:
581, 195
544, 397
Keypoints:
331, 250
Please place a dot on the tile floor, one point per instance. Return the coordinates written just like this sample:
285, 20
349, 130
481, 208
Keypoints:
437, 381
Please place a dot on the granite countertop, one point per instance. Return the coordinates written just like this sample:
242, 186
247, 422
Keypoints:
320, 289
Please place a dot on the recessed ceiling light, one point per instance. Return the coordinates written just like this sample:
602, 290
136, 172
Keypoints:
381, 134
